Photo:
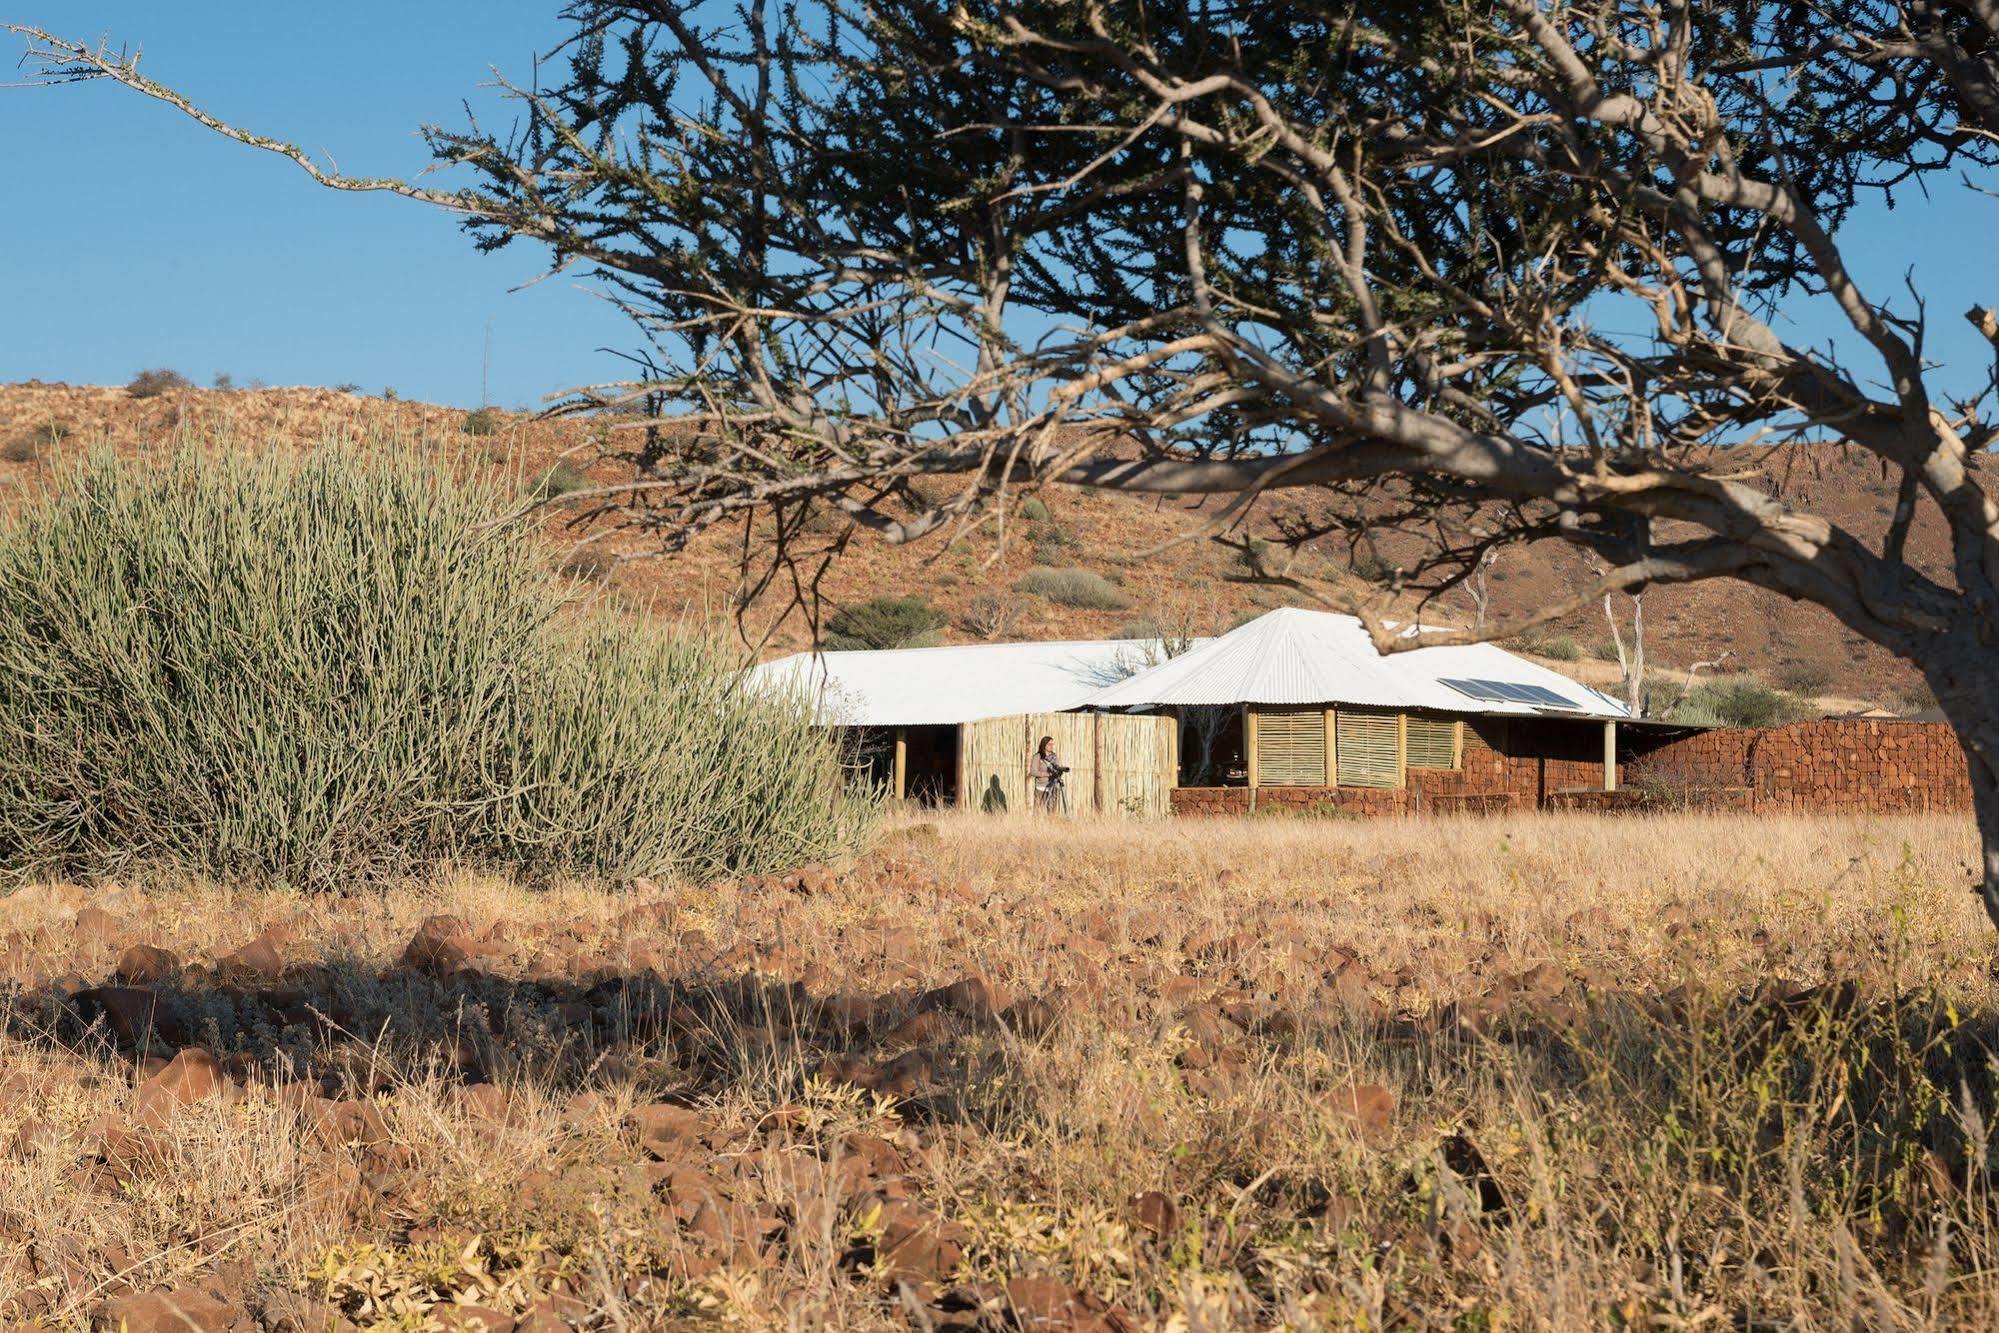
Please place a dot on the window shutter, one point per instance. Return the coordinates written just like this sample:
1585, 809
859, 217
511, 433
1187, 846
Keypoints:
1433, 742
1370, 749
1291, 747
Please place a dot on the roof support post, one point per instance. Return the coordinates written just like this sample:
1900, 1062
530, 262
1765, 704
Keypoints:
1610, 756
901, 763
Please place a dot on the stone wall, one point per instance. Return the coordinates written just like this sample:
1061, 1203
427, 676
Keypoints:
1841, 765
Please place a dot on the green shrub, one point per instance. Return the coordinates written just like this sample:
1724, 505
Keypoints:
1604, 650
884, 622
565, 478
319, 671
482, 421
1561, 648
153, 383
1034, 509
1738, 701
1811, 678
1074, 587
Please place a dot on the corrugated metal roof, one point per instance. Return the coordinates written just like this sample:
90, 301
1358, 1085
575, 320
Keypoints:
910, 687
1283, 657
1294, 656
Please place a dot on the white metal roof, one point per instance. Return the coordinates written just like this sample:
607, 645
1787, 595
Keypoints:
1294, 656
909, 687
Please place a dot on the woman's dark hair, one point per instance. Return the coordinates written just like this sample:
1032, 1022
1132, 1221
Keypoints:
1042, 748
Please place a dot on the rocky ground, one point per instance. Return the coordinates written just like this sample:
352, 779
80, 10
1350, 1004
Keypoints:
1192, 586
1268, 1073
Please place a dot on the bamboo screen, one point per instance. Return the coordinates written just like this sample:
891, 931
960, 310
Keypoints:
1369, 747
1139, 771
1291, 747
1137, 776
1433, 742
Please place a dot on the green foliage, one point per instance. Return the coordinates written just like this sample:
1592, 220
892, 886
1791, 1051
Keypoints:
1074, 587
319, 671
1604, 650
1809, 678
1738, 701
884, 622
482, 421
224, 381
1034, 509
1560, 648
160, 380
347, 386
565, 478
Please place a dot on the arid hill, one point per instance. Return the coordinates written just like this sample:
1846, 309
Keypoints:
1193, 585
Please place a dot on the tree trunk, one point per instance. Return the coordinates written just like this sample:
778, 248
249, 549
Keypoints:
1967, 691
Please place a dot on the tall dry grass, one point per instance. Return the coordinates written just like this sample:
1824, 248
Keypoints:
1678, 1071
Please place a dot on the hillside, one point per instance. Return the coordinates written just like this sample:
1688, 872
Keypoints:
1189, 585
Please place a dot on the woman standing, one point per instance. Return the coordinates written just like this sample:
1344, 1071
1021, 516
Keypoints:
1045, 771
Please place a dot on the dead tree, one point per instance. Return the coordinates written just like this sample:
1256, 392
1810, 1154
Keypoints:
1497, 272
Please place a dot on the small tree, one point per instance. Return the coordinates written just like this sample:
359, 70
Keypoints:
156, 382
884, 622
1531, 269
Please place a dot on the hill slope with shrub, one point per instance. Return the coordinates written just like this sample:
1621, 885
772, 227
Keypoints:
1071, 565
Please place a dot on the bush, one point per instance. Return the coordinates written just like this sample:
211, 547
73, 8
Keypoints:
565, 478
1561, 648
482, 421
993, 615
1738, 701
318, 671
347, 386
884, 622
1812, 678
1604, 650
22, 449
1074, 587
1918, 698
1034, 509
153, 383
224, 381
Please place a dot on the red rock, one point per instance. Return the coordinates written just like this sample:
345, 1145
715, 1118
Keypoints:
94, 923
132, 1011
669, 1132
260, 957
180, 1310
917, 1243
1031, 1016
1155, 1212
968, 997
473, 1318
1368, 1105
192, 1076
442, 945
926, 1026
1045, 1303
144, 965
288, 1312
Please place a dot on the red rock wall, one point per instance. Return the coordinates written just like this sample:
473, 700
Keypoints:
1844, 765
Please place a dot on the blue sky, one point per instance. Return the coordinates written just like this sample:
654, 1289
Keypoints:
135, 238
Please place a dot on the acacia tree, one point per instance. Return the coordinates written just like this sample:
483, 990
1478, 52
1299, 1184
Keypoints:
1500, 271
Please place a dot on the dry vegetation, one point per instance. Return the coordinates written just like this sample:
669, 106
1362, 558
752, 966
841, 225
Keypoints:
1548, 1072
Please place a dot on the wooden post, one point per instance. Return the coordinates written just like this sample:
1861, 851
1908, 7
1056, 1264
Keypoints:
1249, 744
1610, 756
964, 795
1332, 748
1097, 762
1402, 749
901, 764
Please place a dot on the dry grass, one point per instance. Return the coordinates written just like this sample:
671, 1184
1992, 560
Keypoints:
1629, 1087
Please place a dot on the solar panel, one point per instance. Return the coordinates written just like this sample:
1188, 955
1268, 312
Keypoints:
1507, 692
